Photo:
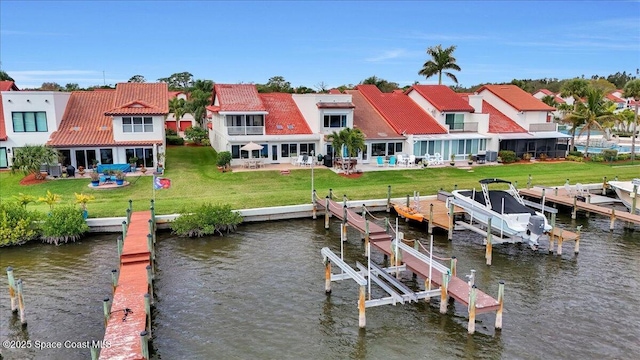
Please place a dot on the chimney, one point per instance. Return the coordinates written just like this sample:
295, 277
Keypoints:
476, 102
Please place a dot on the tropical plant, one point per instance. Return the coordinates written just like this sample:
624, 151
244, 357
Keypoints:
224, 159
593, 113
29, 158
120, 175
576, 88
195, 134
24, 199
507, 156
632, 90
178, 107
95, 176
17, 224
441, 60
200, 99
549, 100
50, 199
83, 199
382, 84
206, 219
63, 224
351, 140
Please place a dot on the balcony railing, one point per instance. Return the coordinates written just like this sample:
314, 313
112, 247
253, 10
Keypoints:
542, 127
245, 130
466, 126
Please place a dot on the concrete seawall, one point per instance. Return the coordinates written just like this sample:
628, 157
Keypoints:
114, 224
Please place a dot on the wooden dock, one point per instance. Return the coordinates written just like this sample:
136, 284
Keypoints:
457, 288
128, 316
562, 198
434, 212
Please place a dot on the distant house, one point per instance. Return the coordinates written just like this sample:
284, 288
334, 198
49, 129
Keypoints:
112, 126
27, 118
185, 121
530, 114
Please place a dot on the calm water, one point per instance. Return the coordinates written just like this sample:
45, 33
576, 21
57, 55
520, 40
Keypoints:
259, 293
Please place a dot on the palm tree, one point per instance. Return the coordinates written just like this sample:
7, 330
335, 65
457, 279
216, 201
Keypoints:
350, 139
178, 107
576, 88
594, 114
632, 90
29, 158
441, 59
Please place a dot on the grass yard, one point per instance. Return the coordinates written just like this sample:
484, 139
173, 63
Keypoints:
196, 180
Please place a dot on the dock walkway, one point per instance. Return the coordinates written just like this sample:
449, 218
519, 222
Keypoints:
128, 317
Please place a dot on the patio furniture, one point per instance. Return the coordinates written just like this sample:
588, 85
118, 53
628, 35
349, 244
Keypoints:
438, 159
568, 189
401, 160
300, 160
411, 161
392, 161
380, 161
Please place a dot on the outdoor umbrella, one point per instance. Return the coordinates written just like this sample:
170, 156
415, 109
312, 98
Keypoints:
251, 146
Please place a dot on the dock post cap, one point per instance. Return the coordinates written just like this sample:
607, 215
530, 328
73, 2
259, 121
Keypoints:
114, 271
9, 268
501, 282
147, 295
105, 299
474, 286
148, 267
144, 333
149, 236
453, 257
124, 222
120, 237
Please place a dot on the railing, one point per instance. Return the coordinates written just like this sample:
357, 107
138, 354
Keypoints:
245, 130
466, 126
542, 127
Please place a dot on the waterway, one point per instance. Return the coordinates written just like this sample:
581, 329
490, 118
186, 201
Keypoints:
259, 293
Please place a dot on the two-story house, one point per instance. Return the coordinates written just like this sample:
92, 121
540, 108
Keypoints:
185, 121
112, 126
28, 118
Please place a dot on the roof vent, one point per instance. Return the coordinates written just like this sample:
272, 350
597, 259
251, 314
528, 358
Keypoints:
104, 127
382, 134
75, 128
290, 126
279, 127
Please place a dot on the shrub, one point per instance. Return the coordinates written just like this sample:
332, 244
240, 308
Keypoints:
527, 157
224, 159
174, 140
206, 220
17, 224
610, 154
507, 156
64, 224
575, 158
206, 142
543, 157
576, 153
195, 134
623, 157
170, 132
596, 158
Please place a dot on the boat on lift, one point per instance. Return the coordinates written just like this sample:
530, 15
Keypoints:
627, 191
509, 215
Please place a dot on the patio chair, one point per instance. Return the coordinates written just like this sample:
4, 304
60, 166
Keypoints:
305, 160
438, 159
309, 161
401, 160
580, 191
392, 161
568, 189
412, 160
380, 161
300, 160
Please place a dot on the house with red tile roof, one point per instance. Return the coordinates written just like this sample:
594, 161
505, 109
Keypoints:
185, 121
239, 115
113, 126
27, 118
466, 128
529, 113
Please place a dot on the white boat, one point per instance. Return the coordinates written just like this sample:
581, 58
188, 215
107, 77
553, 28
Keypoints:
510, 217
625, 192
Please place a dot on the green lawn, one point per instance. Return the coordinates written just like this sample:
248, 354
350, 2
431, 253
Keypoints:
195, 179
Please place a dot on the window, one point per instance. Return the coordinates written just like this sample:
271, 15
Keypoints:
234, 120
255, 120
137, 124
306, 149
335, 121
235, 151
455, 121
144, 155
106, 156
287, 150
378, 149
29, 121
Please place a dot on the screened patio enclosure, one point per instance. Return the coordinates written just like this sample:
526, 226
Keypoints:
535, 144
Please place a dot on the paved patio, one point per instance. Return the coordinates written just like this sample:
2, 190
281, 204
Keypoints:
360, 167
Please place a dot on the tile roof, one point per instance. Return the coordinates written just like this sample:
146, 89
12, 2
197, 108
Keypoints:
516, 98
284, 117
140, 99
547, 92
442, 97
402, 113
237, 97
334, 91
368, 119
85, 122
614, 98
498, 122
5, 86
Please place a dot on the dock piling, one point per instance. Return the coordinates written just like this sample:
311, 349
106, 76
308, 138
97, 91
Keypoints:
389, 198
529, 182
450, 233
551, 235
131, 205
362, 319
150, 281
604, 186
454, 266
613, 219
500, 304
120, 244
344, 222
23, 319
489, 247
114, 279
443, 293
144, 344
577, 245
124, 229
105, 310
12, 289
327, 276
366, 237
471, 328
94, 352
128, 215
430, 226
327, 213
147, 310
574, 211
314, 216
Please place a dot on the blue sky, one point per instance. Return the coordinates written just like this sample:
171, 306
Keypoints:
312, 42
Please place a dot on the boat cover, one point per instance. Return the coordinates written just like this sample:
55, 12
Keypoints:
511, 205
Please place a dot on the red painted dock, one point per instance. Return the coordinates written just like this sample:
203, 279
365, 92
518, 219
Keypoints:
123, 332
457, 288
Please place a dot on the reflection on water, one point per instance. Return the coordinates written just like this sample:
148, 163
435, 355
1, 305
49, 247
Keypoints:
259, 293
